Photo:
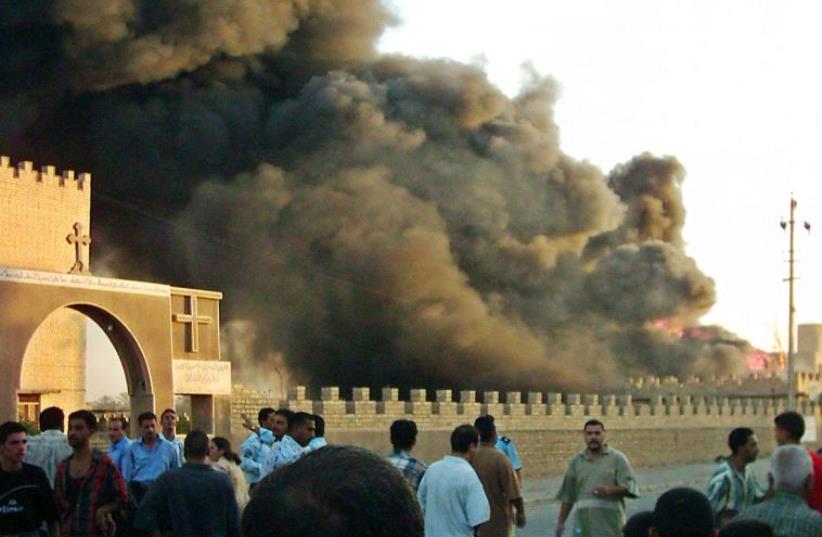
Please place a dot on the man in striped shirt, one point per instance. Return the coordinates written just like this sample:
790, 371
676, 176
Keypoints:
733, 486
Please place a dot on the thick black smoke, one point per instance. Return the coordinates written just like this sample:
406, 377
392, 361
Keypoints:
371, 219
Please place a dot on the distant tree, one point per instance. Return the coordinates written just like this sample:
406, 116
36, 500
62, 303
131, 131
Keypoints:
108, 402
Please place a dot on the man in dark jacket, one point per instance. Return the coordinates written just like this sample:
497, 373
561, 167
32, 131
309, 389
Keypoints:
192, 501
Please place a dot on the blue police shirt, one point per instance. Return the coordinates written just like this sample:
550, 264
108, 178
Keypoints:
284, 452
254, 453
506, 445
117, 450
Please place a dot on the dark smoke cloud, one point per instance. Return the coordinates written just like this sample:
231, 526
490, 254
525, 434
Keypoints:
371, 219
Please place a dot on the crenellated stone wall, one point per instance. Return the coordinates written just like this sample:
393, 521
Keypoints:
653, 430
39, 209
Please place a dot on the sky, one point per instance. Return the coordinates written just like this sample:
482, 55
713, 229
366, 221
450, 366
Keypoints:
733, 89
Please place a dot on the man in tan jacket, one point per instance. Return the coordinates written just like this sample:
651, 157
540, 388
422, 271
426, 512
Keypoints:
500, 483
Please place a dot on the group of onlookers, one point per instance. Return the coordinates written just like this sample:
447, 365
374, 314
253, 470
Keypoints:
58, 484
287, 481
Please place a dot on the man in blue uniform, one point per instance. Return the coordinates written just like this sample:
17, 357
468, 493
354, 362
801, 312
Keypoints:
506, 445
255, 450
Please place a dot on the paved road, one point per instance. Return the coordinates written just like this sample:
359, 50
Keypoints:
542, 511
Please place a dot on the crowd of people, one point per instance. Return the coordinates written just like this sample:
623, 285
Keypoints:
287, 481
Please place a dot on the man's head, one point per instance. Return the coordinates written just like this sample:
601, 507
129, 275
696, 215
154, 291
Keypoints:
788, 428
281, 421
196, 446
265, 417
464, 440
487, 429
335, 492
302, 428
148, 426
117, 429
746, 528
744, 444
639, 524
168, 419
52, 419
792, 470
594, 433
403, 434
13, 440
683, 512
81, 425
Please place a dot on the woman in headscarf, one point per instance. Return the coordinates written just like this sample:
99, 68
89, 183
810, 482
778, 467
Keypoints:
224, 460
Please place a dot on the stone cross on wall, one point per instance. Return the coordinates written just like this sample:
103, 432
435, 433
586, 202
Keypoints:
79, 240
194, 319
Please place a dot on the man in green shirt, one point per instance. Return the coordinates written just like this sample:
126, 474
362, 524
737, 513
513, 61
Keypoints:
594, 488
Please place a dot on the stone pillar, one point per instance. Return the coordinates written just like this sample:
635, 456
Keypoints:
591, 404
535, 406
417, 404
391, 404
609, 406
361, 402
491, 404
444, 406
513, 404
222, 415
468, 405
202, 413
329, 403
655, 405
573, 405
626, 405
686, 405
554, 404
297, 401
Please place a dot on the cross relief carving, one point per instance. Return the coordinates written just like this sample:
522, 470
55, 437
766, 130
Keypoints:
79, 241
194, 320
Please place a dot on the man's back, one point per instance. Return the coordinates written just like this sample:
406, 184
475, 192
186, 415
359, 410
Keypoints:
46, 450
788, 515
452, 497
501, 487
193, 501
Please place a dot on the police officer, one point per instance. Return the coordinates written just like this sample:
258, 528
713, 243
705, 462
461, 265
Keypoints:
507, 446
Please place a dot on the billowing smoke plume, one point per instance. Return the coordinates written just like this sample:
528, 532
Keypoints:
371, 219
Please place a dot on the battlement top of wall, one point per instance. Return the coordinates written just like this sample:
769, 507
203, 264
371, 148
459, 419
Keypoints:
24, 171
333, 394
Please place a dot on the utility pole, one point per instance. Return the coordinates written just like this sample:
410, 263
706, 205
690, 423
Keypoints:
791, 308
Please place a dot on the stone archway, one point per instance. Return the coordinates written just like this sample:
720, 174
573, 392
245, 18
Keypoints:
145, 322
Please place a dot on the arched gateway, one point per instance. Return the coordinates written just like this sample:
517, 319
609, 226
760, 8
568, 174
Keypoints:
167, 337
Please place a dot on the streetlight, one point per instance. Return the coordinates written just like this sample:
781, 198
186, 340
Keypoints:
791, 309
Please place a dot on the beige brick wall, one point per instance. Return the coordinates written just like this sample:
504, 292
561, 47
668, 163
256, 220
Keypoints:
652, 433
55, 362
38, 209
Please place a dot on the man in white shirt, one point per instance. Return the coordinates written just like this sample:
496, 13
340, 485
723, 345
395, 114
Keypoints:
451, 494
51, 446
